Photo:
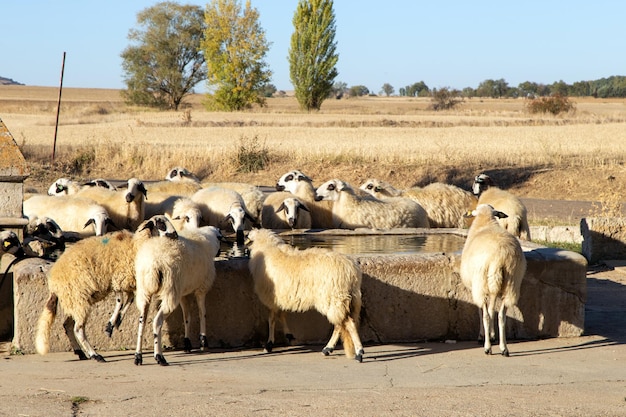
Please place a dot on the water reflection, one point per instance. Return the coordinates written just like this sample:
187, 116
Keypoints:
380, 244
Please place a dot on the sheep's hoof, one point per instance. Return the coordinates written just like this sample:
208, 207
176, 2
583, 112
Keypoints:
290, 338
109, 329
161, 360
488, 351
138, 359
359, 355
98, 358
187, 344
81, 355
204, 344
268, 347
505, 352
327, 351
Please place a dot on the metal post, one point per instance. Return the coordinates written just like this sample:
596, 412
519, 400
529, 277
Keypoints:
56, 125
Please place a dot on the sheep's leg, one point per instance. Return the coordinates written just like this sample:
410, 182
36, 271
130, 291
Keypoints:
356, 340
157, 326
143, 313
486, 321
283, 322
270, 337
330, 346
504, 350
186, 322
492, 309
79, 332
68, 325
201, 301
115, 317
481, 331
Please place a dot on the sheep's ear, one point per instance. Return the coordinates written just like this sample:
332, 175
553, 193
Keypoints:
90, 221
149, 225
110, 222
499, 214
281, 208
143, 190
469, 214
378, 189
303, 207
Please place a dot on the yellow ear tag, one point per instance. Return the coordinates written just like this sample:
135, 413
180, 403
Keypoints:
7, 243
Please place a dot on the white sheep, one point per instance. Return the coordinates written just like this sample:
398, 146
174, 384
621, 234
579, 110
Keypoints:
445, 204
126, 208
488, 193
252, 195
300, 185
168, 271
351, 211
282, 210
66, 186
73, 214
181, 174
492, 267
87, 273
185, 213
289, 279
180, 188
224, 208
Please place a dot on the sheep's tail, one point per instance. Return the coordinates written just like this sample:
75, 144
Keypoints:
42, 341
346, 338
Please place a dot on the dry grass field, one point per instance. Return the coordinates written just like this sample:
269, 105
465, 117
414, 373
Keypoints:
577, 156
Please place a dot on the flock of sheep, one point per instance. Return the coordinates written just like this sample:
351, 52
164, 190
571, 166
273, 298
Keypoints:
163, 248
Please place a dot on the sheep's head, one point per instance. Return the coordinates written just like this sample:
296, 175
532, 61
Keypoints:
487, 211
99, 182
180, 174
291, 207
135, 188
330, 190
377, 188
290, 181
101, 222
60, 186
9, 242
159, 225
481, 183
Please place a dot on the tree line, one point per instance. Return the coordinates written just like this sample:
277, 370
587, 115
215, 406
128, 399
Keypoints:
174, 47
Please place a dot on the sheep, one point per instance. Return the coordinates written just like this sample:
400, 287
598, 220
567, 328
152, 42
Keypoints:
181, 174
252, 196
170, 270
66, 186
492, 266
185, 213
282, 210
126, 208
86, 273
223, 208
445, 204
517, 221
301, 186
351, 211
289, 279
43, 238
73, 214
181, 188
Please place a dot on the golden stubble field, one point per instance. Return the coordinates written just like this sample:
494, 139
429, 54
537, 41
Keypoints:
577, 156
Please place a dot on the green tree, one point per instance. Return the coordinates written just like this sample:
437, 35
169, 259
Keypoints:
358, 91
312, 53
165, 62
234, 47
387, 89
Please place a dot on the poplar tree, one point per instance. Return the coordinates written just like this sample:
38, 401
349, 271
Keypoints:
235, 47
312, 53
165, 62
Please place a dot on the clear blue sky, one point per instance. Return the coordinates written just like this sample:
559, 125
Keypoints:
444, 43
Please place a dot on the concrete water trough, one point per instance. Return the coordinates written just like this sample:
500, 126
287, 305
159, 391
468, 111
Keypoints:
407, 297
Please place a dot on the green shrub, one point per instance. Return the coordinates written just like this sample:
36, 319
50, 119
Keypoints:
252, 156
554, 104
